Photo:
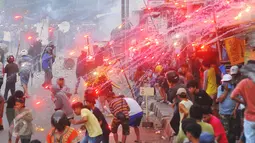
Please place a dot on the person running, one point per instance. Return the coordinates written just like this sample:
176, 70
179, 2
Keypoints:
47, 61
90, 100
23, 126
25, 69
60, 133
11, 69
227, 107
219, 131
94, 132
81, 69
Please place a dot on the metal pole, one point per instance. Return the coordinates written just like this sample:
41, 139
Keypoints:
129, 86
216, 32
127, 8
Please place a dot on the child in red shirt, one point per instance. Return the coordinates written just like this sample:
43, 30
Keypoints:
219, 131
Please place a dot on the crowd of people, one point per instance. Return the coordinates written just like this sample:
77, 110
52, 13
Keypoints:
125, 111
210, 103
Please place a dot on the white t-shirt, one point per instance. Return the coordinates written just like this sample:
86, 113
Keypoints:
134, 106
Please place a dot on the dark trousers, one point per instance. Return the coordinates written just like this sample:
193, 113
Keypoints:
48, 76
106, 138
175, 122
25, 139
1, 83
9, 86
10, 114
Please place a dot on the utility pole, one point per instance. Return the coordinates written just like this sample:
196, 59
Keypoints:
127, 8
123, 11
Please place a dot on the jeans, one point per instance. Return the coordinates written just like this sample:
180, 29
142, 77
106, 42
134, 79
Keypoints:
88, 139
48, 76
249, 131
9, 86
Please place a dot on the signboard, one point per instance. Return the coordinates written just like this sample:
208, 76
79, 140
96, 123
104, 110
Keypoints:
235, 48
146, 91
156, 24
7, 36
154, 3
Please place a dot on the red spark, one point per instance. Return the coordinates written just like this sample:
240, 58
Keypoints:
111, 42
148, 43
97, 91
17, 17
29, 37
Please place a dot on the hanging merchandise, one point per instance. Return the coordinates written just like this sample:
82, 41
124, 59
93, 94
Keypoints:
235, 48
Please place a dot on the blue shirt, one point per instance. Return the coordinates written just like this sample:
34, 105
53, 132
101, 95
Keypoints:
47, 61
228, 105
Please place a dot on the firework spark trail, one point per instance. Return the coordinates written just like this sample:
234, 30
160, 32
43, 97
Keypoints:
188, 26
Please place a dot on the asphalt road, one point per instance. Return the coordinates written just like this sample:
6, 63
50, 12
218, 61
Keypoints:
42, 107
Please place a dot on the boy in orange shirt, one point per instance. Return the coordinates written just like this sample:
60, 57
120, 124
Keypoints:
60, 132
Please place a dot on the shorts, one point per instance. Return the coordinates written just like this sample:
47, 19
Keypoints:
125, 126
135, 120
24, 77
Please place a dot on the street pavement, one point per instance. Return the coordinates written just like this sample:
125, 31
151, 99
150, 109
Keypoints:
42, 107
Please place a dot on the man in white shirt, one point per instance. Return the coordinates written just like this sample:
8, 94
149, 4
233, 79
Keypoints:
135, 116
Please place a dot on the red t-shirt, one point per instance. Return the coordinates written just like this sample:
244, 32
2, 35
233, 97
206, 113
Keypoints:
218, 129
246, 89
